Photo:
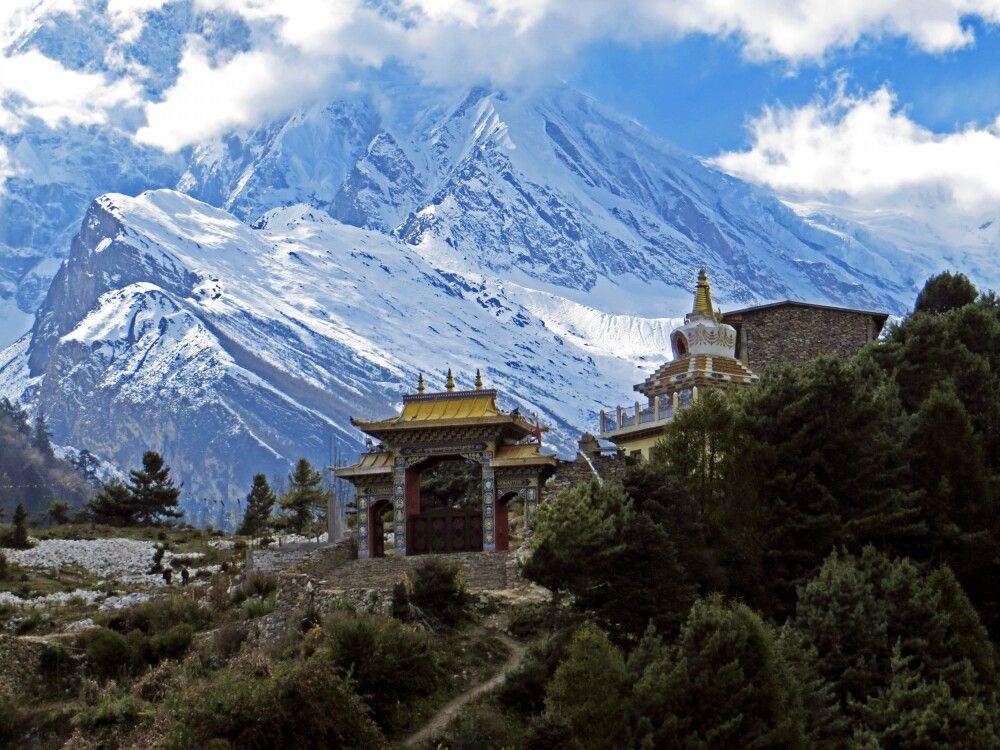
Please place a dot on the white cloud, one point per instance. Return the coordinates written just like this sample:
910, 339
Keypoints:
300, 49
33, 85
863, 151
303, 46
6, 168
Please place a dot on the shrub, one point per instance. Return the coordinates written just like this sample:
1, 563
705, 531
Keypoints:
529, 619
391, 663
123, 711
524, 688
292, 705
3, 566
228, 640
159, 615
254, 608
481, 726
254, 584
171, 644
438, 591
12, 722
109, 654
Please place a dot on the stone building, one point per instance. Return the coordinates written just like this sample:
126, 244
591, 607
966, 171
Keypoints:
795, 333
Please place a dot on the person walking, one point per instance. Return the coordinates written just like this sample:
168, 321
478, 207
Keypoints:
185, 575
168, 574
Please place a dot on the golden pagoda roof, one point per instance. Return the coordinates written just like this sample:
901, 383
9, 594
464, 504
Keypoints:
379, 462
446, 409
522, 455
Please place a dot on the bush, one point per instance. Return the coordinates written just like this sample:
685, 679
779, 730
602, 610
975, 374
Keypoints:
172, 644
482, 726
254, 584
109, 654
12, 722
3, 566
124, 711
228, 640
159, 615
529, 619
391, 663
438, 591
524, 688
292, 705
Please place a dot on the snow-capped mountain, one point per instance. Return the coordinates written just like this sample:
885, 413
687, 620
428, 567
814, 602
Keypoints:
234, 349
305, 270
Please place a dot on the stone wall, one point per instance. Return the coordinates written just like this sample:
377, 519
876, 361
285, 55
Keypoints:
570, 473
483, 571
796, 334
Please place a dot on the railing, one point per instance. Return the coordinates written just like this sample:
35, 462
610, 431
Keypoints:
662, 410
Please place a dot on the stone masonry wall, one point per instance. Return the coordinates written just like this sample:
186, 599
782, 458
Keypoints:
796, 335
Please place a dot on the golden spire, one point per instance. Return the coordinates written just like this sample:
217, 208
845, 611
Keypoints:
450, 384
479, 380
703, 296
420, 384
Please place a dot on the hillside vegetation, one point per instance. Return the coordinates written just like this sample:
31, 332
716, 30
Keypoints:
30, 473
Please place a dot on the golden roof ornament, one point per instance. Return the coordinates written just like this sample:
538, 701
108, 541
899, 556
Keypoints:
479, 380
450, 384
703, 296
420, 384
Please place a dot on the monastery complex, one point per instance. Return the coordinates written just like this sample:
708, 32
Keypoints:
500, 453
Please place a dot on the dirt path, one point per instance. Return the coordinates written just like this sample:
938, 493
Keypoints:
440, 720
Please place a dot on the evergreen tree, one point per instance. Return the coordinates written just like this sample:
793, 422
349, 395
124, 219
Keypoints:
722, 684
153, 491
58, 512
863, 616
16, 414
114, 505
305, 495
41, 437
590, 691
823, 450
19, 535
948, 467
946, 291
260, 502
917, 712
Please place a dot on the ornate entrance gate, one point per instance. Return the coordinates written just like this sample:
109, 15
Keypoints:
465, 424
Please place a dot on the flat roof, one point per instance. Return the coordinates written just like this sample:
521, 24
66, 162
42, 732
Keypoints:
881, 316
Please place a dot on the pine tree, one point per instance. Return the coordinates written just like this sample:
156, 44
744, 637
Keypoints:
863, 616
305, 495
19, 535
114, 505
946, 291
948, 467
917, 712
722, 684
823, 450
41, 437
58, 512
260, 502
153, 491
590, 691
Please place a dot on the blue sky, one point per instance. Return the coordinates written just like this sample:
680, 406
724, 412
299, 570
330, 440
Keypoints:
699, 92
